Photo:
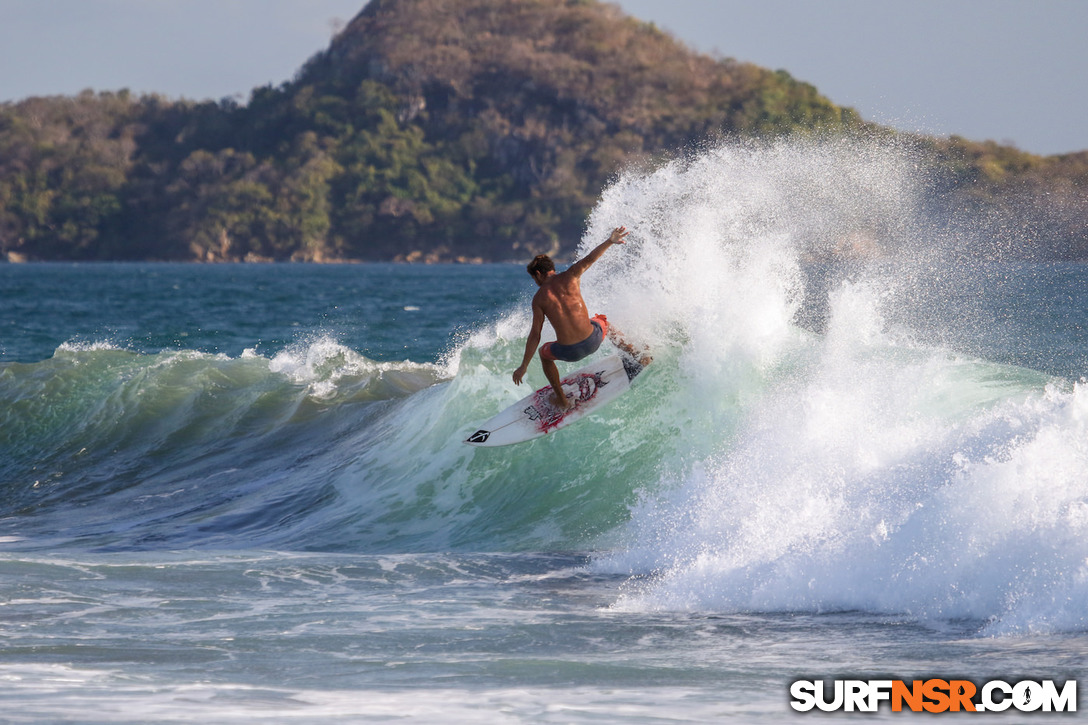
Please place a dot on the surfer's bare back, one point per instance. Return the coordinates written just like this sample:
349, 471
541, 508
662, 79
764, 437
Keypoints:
559, 300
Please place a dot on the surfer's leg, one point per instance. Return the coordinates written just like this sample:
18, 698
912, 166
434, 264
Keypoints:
616, 337
551, 371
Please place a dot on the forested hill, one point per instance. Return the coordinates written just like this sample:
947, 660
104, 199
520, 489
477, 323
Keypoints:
432, 130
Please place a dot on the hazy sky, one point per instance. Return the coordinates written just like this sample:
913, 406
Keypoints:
1015, 71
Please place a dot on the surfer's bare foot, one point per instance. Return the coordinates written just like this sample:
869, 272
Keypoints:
560, 401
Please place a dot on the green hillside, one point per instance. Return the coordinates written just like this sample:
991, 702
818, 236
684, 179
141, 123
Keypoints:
432, 130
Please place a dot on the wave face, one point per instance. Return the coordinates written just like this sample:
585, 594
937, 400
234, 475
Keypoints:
108, 448
315, 447
817, 431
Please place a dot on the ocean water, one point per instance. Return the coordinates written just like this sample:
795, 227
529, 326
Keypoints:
239, 493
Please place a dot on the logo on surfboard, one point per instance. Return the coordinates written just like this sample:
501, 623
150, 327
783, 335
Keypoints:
479, 436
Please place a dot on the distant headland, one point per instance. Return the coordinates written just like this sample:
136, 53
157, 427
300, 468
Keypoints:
447, 130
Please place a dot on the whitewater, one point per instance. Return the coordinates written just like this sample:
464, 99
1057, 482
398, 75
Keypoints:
240, 492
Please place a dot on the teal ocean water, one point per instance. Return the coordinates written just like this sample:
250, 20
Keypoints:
239, 493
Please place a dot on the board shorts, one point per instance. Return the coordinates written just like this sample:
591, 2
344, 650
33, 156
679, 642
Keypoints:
573, 353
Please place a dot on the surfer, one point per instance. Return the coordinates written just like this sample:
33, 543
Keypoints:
559, 300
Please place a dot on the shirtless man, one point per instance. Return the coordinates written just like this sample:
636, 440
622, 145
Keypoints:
560, 301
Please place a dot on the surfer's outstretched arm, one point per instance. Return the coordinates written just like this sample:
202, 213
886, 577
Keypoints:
618, 236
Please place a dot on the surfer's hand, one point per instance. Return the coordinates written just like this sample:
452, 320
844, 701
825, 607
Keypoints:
519, 374
619, 235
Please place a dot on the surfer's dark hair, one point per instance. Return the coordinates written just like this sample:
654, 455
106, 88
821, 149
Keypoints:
541, 264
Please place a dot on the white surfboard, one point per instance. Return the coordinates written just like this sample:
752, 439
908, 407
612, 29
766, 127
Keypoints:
589, 388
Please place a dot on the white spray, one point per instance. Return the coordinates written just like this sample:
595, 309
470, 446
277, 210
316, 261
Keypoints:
843, 468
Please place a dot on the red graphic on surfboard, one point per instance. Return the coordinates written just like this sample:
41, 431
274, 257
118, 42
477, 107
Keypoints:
544, 412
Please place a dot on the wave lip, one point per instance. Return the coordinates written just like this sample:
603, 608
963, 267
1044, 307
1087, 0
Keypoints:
329, 369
